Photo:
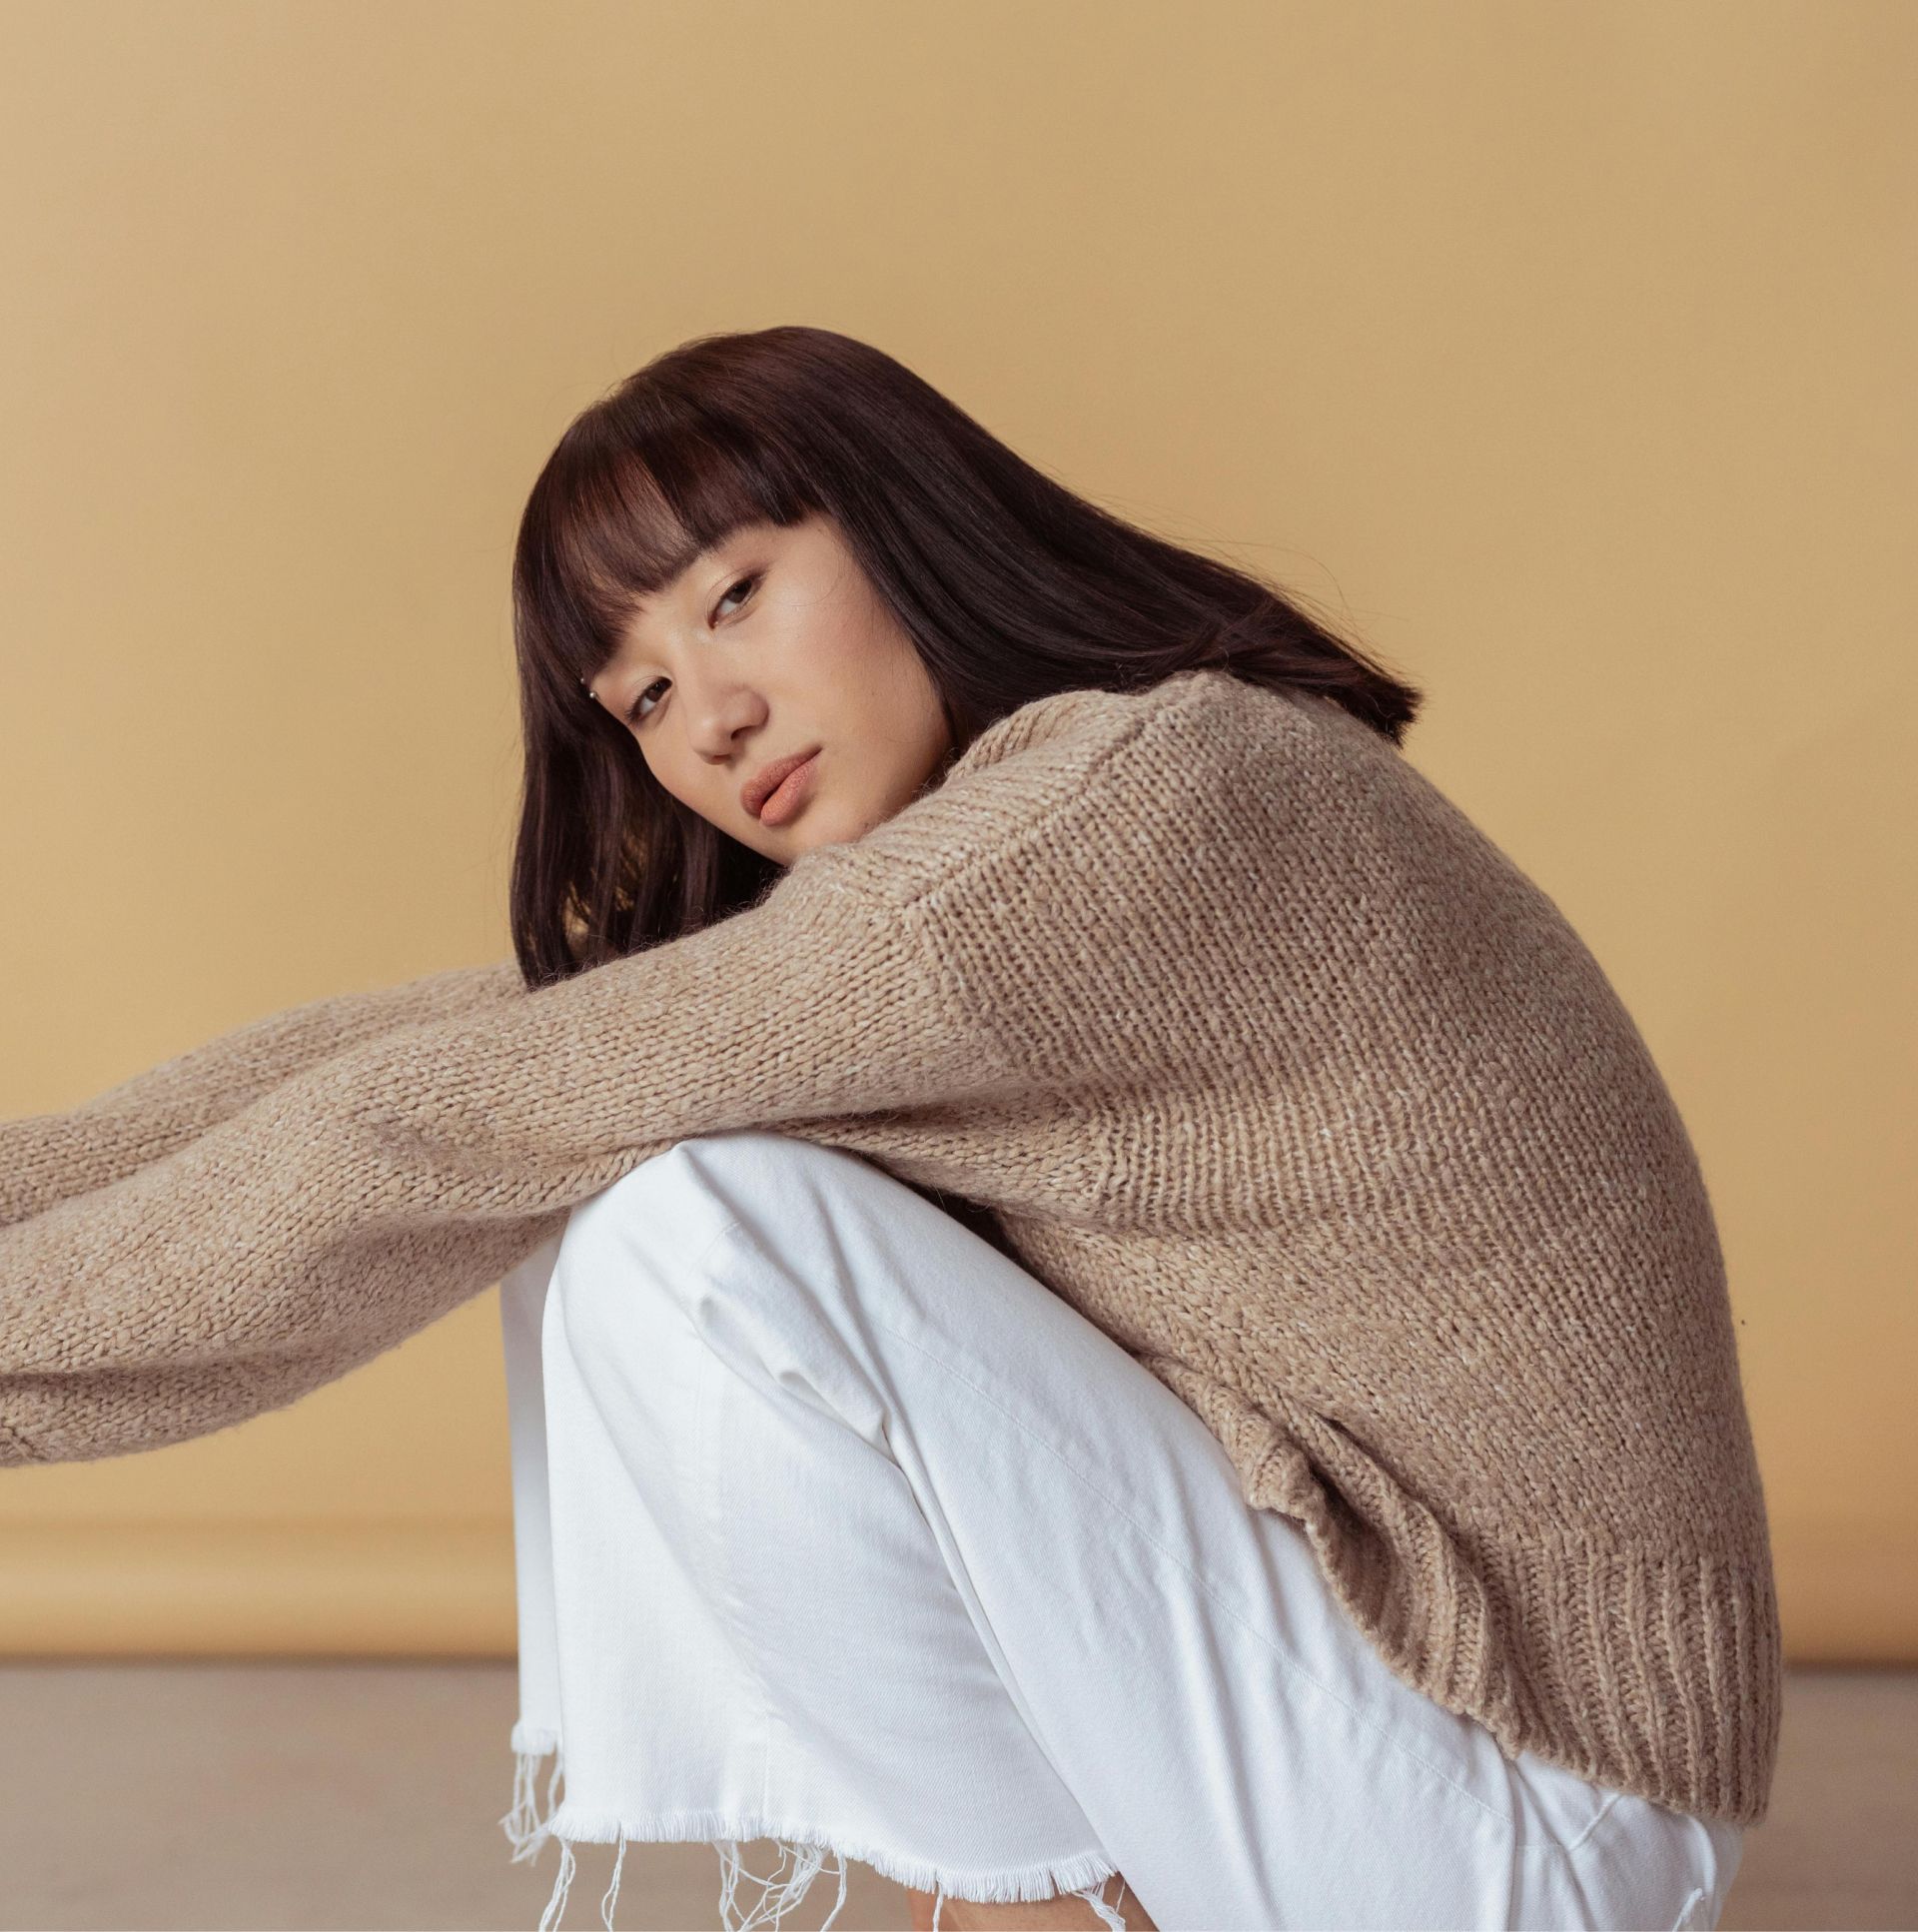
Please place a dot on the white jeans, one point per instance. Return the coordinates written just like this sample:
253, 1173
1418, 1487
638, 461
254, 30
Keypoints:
835, 1527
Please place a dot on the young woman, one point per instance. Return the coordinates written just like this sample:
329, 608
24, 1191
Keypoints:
970, 1594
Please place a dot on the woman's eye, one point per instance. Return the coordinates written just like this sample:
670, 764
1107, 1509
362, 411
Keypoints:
746, 583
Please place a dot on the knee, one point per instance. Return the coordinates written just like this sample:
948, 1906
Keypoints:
743, 1165
684, 1189
696, 1185
647, 1231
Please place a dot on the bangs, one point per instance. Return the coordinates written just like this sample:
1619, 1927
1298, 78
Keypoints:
620, 510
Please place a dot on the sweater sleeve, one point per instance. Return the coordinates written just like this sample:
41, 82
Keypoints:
352, 1203
50, 1157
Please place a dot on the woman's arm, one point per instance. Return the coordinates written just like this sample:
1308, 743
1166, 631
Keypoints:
890, 996
350, 1204
46, 1157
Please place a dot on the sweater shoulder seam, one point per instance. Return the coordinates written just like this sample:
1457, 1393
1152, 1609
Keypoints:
1131, 731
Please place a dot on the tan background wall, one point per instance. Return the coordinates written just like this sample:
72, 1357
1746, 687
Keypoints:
1565, 351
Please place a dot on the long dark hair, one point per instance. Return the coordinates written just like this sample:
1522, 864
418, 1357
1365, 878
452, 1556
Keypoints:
1010, 586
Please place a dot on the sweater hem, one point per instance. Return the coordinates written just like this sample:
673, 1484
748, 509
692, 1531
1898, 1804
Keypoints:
1648, 1666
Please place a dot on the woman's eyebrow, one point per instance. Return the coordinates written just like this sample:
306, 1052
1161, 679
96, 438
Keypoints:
636, 606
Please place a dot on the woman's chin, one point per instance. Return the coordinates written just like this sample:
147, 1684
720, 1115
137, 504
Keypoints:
815, 826
830, 821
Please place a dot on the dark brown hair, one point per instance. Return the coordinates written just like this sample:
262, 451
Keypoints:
1010, 586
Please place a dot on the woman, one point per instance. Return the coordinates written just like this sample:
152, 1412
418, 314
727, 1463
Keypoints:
1105, 1310
765, 592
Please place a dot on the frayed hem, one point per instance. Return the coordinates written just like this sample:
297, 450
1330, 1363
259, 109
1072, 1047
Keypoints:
810, 1853
783, 1895
525, 1830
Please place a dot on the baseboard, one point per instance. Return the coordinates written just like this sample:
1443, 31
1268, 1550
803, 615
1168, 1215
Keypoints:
258, 1588
1848, 1591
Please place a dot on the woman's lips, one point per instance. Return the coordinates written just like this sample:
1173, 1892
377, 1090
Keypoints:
790, 793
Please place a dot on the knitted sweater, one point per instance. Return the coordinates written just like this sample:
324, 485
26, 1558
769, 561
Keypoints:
1257, 1050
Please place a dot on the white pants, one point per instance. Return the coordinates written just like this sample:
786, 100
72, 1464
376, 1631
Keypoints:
835, 1527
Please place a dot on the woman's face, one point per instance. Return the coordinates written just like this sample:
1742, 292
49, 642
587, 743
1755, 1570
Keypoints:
774, 643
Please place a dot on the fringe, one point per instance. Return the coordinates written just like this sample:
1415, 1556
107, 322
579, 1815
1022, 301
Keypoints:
556, 1904
1095, 1896
786, 1894
790, 1892
525, 1830
783, 1892
612, 1890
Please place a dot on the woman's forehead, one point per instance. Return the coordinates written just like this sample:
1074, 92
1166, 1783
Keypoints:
714, 553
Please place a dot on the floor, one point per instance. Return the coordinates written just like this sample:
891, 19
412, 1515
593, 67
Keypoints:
367, 1795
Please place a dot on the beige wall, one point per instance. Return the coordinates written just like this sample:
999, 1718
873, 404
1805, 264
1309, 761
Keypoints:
1565, 351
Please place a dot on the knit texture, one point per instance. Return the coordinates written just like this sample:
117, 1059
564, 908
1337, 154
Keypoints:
1258, 1051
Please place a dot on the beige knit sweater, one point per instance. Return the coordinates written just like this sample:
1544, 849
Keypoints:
1265, 1057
